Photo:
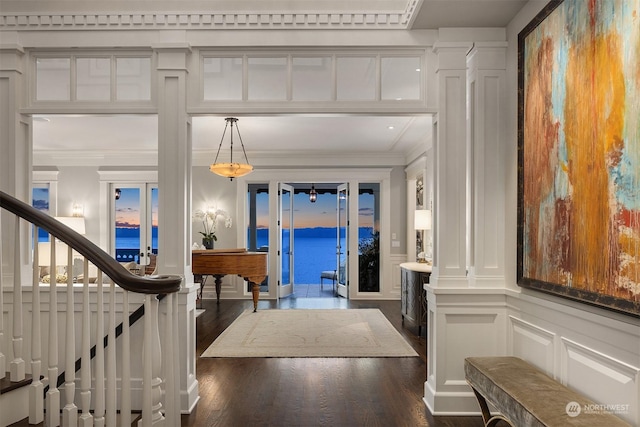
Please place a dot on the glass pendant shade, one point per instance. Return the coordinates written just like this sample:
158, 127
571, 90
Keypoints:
231, 170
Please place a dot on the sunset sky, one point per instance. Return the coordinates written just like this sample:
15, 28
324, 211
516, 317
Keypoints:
128, 208
322, 213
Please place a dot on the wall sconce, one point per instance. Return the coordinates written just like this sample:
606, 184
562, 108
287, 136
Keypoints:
118, 192
77, 210
313, 195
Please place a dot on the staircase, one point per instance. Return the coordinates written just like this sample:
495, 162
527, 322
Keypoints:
69, 329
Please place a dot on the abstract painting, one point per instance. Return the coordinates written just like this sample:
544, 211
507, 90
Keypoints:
579, 153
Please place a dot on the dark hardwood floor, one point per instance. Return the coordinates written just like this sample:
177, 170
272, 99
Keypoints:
311, 391
301, 392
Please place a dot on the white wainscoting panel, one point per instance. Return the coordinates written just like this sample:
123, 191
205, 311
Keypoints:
468, 335
533, 344
461, 323
590, 350
582, 367
395, 290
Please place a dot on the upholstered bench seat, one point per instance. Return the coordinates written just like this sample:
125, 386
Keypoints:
525, 396
329, 275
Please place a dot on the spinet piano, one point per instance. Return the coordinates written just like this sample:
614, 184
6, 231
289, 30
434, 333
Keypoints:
251, 266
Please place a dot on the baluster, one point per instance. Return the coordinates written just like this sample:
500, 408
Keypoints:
111, 360
36, 389
17, 366
173, 371
125, 405
169, 368
3, 359
70, 410
151, 392
99, 362
86, 419
53, 395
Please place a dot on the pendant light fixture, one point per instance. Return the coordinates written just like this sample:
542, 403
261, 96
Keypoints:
312, 194
231, 169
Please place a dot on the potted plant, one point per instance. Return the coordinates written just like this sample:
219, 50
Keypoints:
209, 219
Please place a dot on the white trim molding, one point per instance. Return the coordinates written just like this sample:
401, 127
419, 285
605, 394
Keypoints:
217, 19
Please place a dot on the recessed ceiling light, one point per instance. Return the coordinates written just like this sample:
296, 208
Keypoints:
390, 128
418, 69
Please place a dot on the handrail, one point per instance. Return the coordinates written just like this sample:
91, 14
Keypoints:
161, 284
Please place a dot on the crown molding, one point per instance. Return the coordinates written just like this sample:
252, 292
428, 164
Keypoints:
136, 20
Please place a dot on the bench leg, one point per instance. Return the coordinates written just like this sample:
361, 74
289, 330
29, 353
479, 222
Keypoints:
487, 418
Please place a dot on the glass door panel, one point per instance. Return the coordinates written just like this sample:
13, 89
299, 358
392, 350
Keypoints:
135, 225
342, 241
369, 237
285, 248
127, 216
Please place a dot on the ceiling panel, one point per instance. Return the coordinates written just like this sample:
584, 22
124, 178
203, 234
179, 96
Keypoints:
317, 133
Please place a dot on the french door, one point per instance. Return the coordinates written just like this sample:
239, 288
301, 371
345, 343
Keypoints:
342, 241
285, 241
135, 222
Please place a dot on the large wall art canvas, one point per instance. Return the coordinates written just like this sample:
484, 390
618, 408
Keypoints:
579, 153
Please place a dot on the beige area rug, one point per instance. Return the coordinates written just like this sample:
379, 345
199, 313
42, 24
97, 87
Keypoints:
310, 333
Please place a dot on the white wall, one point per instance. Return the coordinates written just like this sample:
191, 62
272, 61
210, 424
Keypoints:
591, 350
210, 189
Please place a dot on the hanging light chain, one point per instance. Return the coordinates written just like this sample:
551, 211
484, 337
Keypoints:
224, 132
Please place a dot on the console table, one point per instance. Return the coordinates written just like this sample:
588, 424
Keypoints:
413, 301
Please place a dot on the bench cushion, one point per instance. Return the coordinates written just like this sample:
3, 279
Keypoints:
329, 274
527, 397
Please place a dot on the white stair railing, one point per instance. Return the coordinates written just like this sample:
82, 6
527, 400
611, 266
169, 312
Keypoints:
86, 419
70, 410
17, 368
3, 358
96, 404
36, 389
99, 360
53, 394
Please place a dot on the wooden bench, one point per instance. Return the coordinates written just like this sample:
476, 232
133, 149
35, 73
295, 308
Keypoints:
525, 396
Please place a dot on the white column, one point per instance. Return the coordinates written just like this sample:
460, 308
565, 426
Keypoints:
449, 224
462, 320
444, 382
174, 182
486, 150
16, 159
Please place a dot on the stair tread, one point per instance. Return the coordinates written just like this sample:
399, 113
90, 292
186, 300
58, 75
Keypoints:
6, 385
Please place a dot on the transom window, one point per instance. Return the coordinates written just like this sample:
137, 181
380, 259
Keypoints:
96, 78
350, 77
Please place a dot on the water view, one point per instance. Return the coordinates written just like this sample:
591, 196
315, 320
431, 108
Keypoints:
315, 248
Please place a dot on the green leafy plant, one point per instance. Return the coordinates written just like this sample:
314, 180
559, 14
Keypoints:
369, 263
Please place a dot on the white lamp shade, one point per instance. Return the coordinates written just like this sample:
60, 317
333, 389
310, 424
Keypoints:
44, 253
76, 223
422, 219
